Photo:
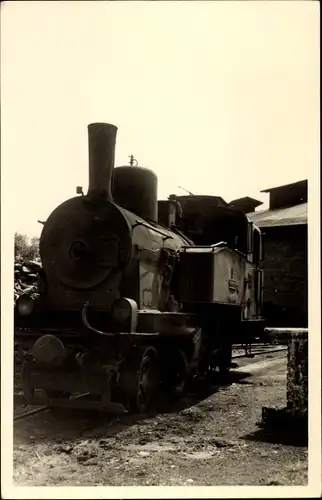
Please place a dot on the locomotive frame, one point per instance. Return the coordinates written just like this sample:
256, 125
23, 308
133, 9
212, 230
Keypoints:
128, 304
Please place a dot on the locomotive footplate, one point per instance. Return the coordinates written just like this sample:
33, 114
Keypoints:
76, 389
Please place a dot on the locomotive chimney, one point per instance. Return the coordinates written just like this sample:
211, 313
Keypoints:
101, 147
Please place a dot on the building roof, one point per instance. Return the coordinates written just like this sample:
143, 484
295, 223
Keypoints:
245, 204
290, 216
247, 199
203, 198
297, 184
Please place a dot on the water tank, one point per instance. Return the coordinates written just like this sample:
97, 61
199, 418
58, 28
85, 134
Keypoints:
136, 190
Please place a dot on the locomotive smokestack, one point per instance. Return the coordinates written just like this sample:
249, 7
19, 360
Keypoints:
101, 147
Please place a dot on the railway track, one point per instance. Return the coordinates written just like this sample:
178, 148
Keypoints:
30, 413
35, 411
255, 351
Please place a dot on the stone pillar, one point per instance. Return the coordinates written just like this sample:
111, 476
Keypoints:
297, 372
293, 417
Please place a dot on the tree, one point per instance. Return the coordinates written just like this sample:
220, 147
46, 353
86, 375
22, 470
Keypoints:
25, 249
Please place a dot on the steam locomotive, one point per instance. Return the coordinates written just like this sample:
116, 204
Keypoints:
135, 293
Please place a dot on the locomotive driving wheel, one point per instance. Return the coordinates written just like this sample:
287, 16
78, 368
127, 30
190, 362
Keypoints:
143, 376
178, 373
225, 360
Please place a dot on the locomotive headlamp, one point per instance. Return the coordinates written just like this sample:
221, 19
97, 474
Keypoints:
25, 305
125, 313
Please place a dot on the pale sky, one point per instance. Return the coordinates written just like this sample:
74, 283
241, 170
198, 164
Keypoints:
221, 98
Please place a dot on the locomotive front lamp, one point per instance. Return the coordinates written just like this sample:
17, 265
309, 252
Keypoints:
25, 305
125, 313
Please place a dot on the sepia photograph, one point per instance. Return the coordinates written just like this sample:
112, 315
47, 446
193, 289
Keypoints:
160, 268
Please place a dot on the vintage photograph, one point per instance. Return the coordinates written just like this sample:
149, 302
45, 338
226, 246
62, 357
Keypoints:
161, 157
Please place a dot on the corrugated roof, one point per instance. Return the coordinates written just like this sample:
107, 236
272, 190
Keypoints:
290, 216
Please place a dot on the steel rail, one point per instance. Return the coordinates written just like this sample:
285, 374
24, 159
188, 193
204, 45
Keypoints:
35, 411
256, 353
30, 413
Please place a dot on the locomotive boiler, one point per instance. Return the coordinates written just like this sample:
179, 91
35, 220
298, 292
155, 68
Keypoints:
131, 301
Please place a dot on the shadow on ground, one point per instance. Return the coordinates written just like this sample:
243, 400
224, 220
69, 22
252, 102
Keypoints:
59, 424
284, 436
201, 390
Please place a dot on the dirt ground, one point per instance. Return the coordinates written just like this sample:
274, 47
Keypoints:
207, 438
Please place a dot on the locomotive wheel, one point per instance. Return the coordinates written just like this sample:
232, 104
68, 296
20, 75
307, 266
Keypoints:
225, 361
178, 375
220, 366
147, 378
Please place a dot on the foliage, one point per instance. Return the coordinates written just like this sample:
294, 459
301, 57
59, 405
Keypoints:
27, 265
26, 249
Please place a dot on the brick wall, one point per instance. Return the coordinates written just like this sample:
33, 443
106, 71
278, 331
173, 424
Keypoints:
285, 276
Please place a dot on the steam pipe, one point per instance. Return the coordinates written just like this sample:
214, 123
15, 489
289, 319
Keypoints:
101, 149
